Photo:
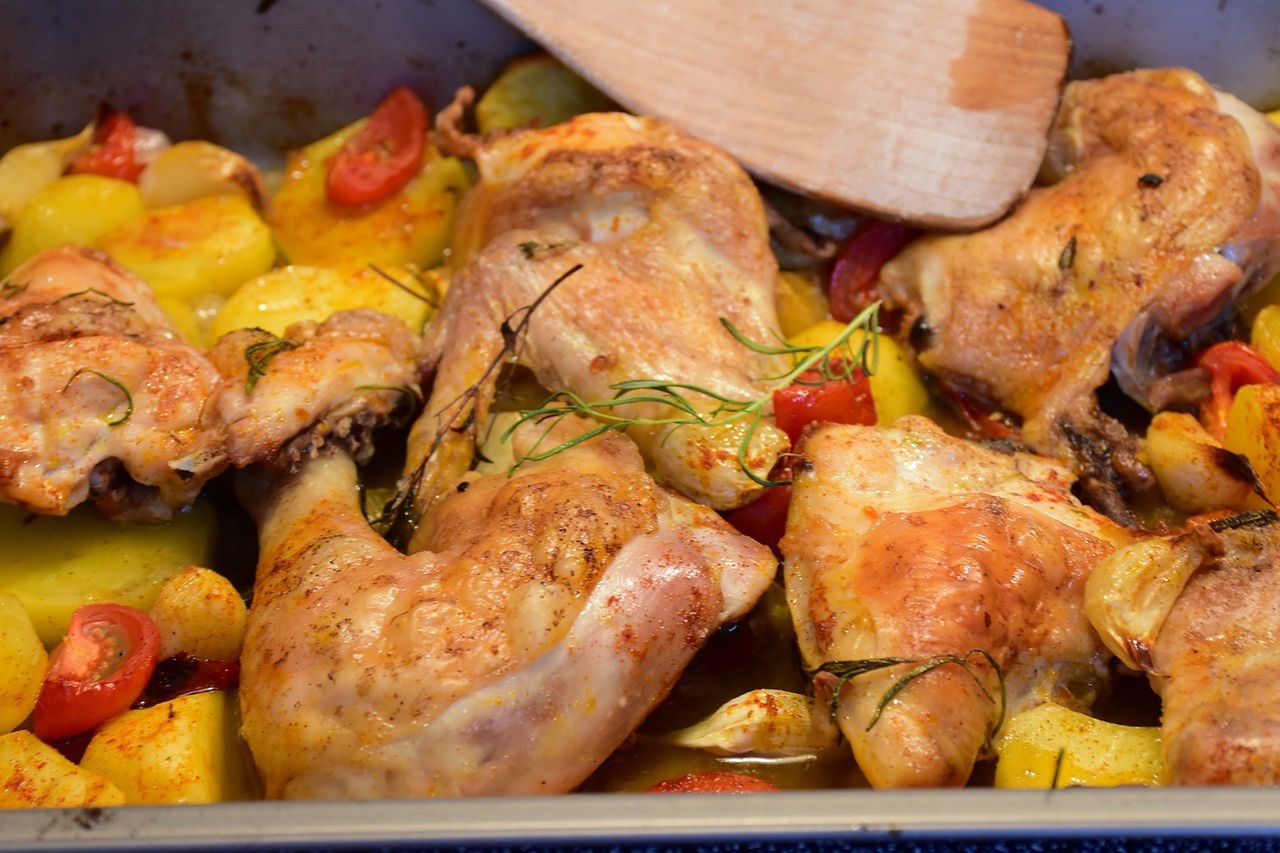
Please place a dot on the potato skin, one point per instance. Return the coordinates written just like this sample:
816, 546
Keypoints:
200, 613
186, 750
23, 661
35, 775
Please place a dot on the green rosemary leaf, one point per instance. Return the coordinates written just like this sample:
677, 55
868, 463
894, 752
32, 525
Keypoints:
414, 395
128, 398
416, 294
12, 288
1057, 768
1068, 256
259, 356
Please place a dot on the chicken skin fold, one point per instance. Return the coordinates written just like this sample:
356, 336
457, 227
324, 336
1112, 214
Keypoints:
551, 611
908, 543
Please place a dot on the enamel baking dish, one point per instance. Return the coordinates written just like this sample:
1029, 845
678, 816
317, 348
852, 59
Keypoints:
276, 74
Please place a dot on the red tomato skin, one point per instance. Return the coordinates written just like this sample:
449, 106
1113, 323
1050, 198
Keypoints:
86, 685
112, 154
765, 518
843, 401
857, 266
378, 161
712, 783
1231, 366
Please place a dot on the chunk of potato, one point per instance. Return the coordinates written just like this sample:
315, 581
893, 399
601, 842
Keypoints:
187, 750
22, 663
1265, 334
1195, 472
209, 245
895, 384
1052, 746
54, 565
199, 612
290, 294
537, 91
410, 227
183, 316
74, 209
35, 775
195, 169
27, 169
800, 302
1253, 429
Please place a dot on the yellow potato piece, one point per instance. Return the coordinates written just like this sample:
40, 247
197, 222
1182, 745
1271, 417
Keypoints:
27, 169
410, 227
209, 245
1253, 429
183, 316
537, 91
199, 612
800, 302
1051, 741
895, 384
290, 294
187, 750
74, 209
23, 661
35, 775
54, 565
1265, 335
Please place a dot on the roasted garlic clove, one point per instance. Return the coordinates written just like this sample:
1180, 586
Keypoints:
27, 169
191, 170
767, 723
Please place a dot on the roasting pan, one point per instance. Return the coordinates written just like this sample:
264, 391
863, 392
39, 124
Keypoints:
274, 74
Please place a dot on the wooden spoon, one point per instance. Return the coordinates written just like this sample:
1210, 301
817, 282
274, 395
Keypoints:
929, 111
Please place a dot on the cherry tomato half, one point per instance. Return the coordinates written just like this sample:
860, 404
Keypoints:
765, 518
97, 671
712, 783
809, 399
1231, 366
383, 156
113, 153
857, 266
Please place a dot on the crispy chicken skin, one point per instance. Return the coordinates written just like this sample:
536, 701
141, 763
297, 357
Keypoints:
550, 612
321, 386
1213, 659
99, 397
906, 542
671, 236
1151, 179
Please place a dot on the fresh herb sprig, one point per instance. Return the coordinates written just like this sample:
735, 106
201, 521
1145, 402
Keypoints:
810, 365
258, 356
844, 670
128, 398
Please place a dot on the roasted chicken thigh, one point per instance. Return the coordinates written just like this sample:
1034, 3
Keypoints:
550, 611
908, 543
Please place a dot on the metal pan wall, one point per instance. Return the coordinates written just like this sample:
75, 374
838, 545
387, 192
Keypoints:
264, 80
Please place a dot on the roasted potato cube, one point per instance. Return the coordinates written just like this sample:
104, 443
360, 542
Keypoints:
1265, 335
537, 91
800, 302
1052, 746
35, 775
1195, 472
1253, 430
209, 245
55, 565
290, 294
22, 663
186, 750
410, 227
74, 209
199, 612
895, 385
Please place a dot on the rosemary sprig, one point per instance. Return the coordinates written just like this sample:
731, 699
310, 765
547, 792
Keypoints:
396, 522
1057, 768
413, 395
259, 355
717, 410
128, 398
416, 294
844, 670
11, 288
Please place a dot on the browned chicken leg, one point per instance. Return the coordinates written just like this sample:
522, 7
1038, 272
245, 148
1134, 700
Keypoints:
1155, 219
908, 543
671, 237
550, 612
1200, 612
